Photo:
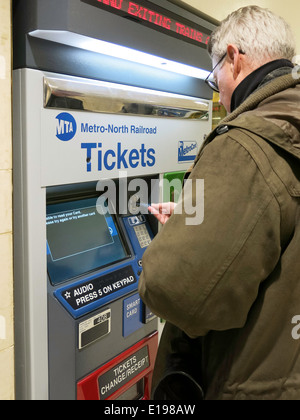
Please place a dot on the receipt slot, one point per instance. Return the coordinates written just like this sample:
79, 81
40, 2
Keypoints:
126, 377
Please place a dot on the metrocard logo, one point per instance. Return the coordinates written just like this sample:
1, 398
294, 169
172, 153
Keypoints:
187, 151
66, 126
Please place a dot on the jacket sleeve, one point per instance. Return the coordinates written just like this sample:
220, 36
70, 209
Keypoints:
205, 276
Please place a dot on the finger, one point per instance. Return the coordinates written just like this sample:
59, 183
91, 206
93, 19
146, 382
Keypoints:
153, 210
162, 218
155, 206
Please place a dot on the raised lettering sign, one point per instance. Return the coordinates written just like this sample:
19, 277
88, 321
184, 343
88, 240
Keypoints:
124, 372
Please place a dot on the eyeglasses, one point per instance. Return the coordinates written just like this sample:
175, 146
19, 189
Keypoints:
211, 83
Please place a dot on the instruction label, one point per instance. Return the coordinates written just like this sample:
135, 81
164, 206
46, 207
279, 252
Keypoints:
98, 288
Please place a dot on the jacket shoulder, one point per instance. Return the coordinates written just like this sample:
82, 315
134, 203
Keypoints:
274, 153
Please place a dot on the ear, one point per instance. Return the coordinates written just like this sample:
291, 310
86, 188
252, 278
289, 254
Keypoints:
235, 60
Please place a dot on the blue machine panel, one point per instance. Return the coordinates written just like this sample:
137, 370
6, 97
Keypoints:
114, 281
132, 314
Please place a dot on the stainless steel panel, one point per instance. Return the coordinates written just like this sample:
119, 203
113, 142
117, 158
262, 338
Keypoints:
110, 98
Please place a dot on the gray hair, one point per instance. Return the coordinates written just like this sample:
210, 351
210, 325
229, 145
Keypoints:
258, 32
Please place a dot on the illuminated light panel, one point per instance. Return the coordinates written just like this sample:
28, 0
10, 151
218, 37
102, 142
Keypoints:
118, 51
157, 20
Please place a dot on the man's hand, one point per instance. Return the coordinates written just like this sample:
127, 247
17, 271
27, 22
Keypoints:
162, 211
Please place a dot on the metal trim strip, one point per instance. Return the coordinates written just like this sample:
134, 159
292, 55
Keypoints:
103, 97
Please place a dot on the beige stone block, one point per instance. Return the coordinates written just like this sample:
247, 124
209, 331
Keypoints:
5, 13
6, 122
5, 86
6, 129
6, 201
6, 292
7, 391
6, 328
6, 278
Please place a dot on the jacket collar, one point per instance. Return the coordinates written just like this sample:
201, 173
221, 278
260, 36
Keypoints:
251, 103
275, 86
258, 78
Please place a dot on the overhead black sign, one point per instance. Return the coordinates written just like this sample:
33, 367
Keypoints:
96, 289
123, 372
157, 18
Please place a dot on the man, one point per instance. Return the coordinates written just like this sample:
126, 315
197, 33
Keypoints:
229, 288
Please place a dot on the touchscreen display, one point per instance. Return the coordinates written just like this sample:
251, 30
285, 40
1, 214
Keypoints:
80, 239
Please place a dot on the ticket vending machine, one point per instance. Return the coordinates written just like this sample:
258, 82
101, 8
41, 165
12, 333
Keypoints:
94, 260
89, 155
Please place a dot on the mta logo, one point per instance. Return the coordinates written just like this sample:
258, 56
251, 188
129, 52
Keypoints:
66, 126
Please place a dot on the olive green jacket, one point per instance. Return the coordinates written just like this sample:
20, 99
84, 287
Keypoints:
234, 279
